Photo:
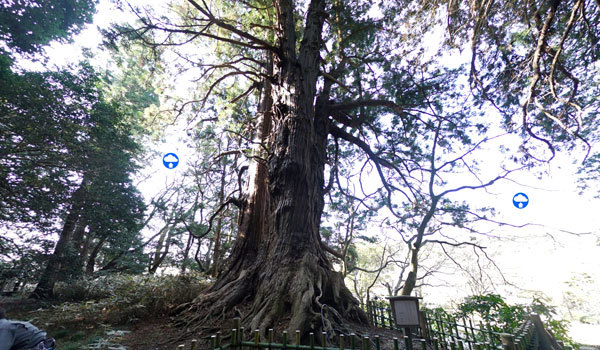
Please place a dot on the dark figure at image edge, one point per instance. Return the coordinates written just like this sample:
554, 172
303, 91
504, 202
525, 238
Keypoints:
19, 335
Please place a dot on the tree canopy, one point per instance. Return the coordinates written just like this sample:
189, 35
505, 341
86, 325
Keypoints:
26, 26
336, 88
308, 118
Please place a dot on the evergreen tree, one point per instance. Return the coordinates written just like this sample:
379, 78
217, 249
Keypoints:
357, 73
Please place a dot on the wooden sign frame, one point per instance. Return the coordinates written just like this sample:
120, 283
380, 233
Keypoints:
405, 310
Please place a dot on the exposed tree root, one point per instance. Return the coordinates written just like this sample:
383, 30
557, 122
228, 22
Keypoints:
305, 295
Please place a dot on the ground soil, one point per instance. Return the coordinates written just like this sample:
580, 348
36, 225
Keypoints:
144, 334
147, 334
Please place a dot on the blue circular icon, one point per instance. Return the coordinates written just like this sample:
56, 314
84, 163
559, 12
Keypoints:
520, 200
170, 160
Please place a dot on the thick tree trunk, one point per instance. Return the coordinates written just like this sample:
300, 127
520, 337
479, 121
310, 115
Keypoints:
277, 262
77, 265
58, 261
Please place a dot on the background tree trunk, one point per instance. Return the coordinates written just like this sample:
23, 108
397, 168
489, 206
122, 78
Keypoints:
91, 263
58, 260
163, 243
214, 271
411, 279
186, 253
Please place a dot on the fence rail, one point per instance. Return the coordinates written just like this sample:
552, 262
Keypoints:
447, 332
238, 340
438, 332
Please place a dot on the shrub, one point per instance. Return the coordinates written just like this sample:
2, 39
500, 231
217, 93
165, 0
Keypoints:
119, 299
506, 318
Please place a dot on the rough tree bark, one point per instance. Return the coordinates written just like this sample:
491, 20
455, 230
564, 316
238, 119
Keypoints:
277, 262
58, 261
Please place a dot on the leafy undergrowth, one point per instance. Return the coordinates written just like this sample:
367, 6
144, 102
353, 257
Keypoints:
128, 312
116, 312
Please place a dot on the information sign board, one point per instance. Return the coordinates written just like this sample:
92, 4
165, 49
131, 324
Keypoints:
405, 310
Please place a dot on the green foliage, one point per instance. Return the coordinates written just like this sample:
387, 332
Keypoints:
120, 299
494, 310
60, 132
23, 263
588, 173
26, 26
502, 317
41, 121
382, 303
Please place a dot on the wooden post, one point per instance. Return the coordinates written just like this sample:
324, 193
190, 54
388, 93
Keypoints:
508, 342
256, 337
467, 335
472, 330
234, 338
440, 324
436, 345
455, 321
297, 339
408, 333
392, 323
492, 342
236, 325
423, 325
407, 343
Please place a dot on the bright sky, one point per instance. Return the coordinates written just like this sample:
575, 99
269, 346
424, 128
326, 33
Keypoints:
538, 263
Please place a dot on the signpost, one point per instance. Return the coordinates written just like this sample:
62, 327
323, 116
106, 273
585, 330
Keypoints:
406, 313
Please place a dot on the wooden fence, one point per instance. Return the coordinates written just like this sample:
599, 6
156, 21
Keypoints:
238, 340
444, 331
445, 328
438, 332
